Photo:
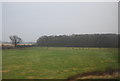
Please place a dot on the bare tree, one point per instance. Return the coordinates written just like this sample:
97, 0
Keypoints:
15, 40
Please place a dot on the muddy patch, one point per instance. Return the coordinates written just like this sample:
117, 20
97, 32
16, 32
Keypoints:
4, 71
108, 74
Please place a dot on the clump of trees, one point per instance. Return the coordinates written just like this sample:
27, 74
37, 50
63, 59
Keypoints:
15, 40
80, 40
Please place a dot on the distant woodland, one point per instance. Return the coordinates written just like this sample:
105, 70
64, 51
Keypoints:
80, 40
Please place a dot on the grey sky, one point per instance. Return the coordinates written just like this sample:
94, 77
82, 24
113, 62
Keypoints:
32, 20
0, 21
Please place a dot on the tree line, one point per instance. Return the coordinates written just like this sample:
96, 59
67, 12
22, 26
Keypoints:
80, 40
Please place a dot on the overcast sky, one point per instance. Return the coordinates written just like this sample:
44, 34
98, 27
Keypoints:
0, 21
30, 20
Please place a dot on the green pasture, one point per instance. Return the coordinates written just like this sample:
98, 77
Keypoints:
56, 62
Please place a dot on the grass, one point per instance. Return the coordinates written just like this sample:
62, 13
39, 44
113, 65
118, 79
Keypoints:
56, 62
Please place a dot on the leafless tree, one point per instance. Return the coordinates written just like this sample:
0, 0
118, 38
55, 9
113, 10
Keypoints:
15, 40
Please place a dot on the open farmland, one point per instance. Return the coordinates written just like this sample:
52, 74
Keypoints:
56, 62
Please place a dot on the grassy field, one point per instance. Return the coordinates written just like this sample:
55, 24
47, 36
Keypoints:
56, 62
